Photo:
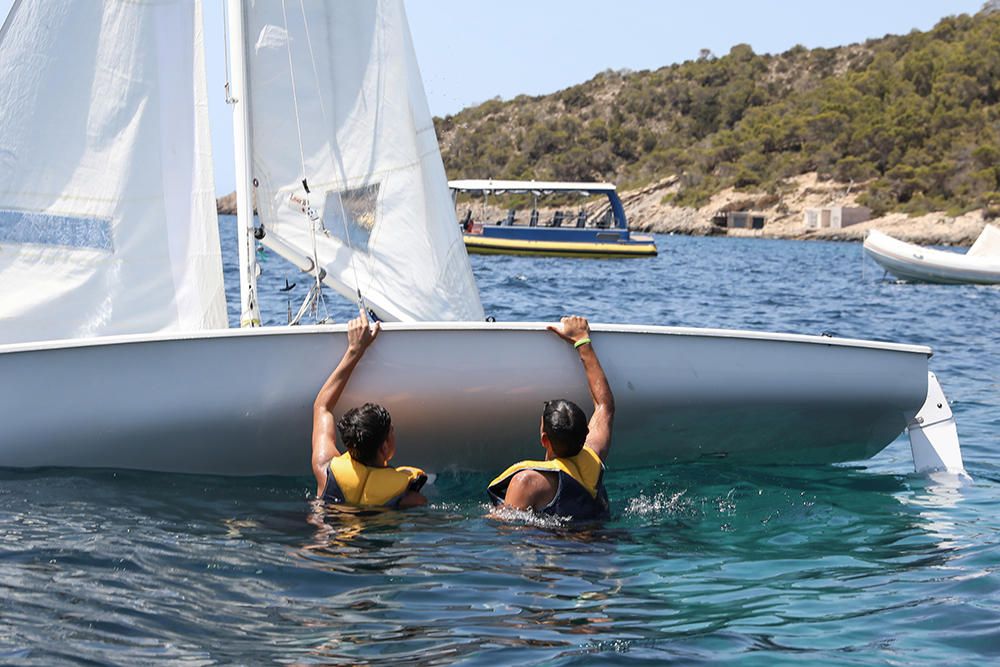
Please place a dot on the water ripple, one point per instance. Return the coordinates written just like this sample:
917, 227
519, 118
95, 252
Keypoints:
699, 564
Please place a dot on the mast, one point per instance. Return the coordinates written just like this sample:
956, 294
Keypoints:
238, 97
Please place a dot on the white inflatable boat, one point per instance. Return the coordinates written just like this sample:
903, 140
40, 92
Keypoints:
981, 264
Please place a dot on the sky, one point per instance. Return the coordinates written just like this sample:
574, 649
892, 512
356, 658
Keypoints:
470, 51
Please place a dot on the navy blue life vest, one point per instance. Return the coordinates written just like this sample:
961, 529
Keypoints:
580, 494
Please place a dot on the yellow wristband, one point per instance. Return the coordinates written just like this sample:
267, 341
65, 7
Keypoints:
582, 341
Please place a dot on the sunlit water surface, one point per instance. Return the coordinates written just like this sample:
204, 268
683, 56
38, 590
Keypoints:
700, 563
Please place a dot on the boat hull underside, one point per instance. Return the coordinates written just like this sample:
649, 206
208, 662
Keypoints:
241, 403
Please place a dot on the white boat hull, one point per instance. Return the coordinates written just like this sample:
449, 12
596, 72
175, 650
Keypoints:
915, 263
461, 395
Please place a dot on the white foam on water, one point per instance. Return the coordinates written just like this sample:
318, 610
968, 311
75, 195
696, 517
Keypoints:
527, 517
659, 503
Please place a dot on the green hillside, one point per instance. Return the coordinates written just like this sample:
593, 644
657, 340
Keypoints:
913, 120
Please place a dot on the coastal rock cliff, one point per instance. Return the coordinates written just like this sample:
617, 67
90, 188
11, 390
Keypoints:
226, 205
648, 210
785, 214
908, 124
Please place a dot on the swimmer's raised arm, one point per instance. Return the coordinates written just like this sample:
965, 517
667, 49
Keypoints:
576, 330
324, 447
569, 482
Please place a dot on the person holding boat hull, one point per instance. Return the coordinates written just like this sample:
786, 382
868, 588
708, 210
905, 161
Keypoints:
570, 481
362, 475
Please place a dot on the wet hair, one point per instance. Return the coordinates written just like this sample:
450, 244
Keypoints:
566, 426
363, 430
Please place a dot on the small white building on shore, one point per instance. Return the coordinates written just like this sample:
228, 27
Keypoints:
835, 217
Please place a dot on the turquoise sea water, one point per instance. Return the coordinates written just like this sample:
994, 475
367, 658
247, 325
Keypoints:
854, 564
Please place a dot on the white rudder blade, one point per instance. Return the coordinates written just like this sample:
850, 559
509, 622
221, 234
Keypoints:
934, 435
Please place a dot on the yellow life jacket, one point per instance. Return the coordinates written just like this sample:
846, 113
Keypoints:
354, 483
580, 494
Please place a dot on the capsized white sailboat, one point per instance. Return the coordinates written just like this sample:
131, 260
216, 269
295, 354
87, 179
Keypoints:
333, 130
907, 261
464, 395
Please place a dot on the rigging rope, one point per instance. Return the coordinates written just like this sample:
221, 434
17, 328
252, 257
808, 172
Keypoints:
225, 49
308, 210
334, 159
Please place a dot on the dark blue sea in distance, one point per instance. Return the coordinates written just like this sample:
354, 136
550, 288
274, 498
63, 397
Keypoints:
700, 564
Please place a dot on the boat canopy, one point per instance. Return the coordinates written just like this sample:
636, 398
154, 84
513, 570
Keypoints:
488, 187
498, 187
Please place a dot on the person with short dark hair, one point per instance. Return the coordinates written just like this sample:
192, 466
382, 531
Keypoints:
362, 475
570, 481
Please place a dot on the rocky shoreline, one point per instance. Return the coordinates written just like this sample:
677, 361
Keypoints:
647, 212
785, 212
226, 205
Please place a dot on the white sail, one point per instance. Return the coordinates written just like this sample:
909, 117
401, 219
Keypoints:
336, 101
107, 208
